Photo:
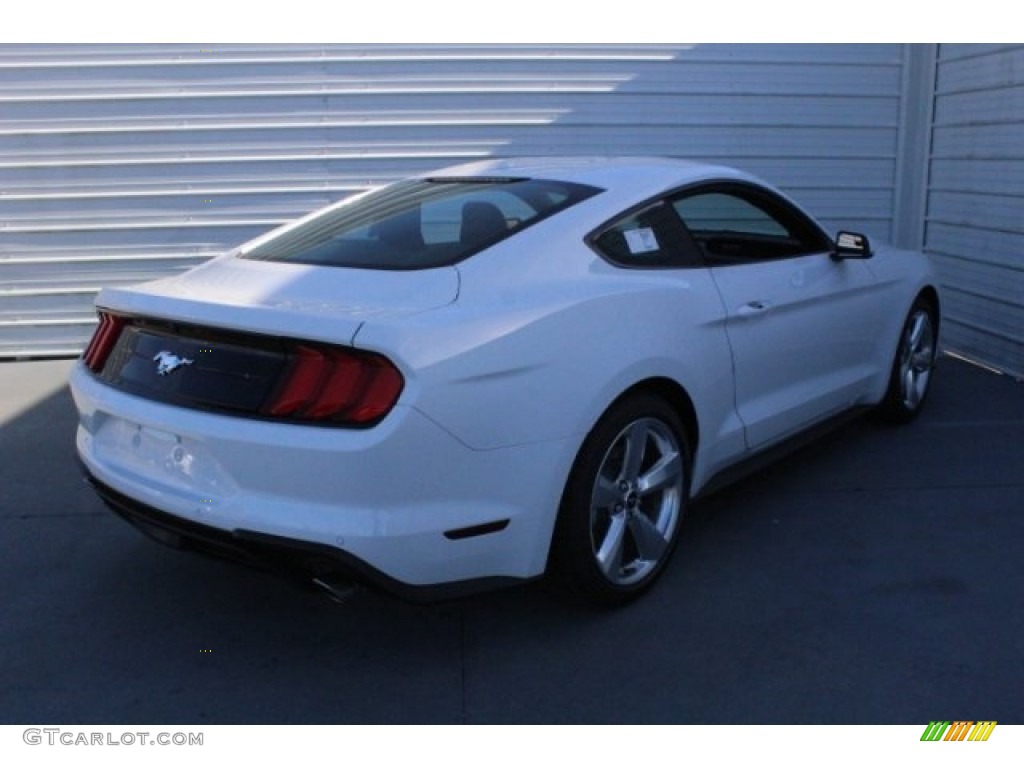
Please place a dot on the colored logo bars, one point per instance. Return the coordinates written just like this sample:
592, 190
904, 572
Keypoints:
959, 730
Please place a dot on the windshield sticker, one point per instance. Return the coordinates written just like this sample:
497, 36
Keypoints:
641, 240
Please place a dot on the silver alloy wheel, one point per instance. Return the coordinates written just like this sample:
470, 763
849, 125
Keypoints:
636, 501
917, 357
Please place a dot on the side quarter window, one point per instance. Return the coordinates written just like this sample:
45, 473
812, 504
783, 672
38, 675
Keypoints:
733, 225
649, 238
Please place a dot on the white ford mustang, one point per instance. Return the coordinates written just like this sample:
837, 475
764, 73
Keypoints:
495, 371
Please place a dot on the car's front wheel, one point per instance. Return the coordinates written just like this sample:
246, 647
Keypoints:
624, 501
911, 374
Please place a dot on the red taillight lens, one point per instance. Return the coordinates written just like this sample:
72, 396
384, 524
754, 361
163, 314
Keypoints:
103, 341
334, 384
381, 388
301, 384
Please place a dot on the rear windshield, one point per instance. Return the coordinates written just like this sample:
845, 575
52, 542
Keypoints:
419, 224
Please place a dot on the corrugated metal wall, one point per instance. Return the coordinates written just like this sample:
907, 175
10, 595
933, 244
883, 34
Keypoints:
119, 163
975, 218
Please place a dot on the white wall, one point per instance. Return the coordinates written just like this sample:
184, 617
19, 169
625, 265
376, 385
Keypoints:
118, 163
974, 227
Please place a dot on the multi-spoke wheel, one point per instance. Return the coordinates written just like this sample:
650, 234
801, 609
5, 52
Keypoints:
624, 502
912, 367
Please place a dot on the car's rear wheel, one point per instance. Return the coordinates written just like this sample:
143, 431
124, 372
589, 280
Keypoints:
911, 375
624, 502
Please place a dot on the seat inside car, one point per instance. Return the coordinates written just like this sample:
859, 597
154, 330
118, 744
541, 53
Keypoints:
481, 221
402, 231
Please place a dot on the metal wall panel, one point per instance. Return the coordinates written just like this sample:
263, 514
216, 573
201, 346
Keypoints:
975, 217
124, 162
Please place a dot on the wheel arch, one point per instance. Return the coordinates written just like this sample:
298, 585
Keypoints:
669, 390
563, 557
931, 295
896, 406
676, 396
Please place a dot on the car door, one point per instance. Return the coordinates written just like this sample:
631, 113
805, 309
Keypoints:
800, 324
689, 328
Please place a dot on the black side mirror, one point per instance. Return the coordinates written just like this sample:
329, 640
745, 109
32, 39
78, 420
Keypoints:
852, 245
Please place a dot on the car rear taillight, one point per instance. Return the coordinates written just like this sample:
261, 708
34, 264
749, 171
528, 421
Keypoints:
335, 384
103, 341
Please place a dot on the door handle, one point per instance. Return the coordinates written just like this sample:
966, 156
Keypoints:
752, 308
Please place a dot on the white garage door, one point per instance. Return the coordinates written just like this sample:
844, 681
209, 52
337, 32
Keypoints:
975, 216
120, 163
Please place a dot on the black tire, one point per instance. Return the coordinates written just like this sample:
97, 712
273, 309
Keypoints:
624, 502
912, 365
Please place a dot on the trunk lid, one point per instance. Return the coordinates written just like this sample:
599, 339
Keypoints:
291, 300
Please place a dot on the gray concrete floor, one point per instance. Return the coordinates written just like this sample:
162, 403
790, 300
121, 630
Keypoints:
873, 577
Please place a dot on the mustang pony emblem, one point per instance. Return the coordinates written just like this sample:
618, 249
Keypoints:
168, 362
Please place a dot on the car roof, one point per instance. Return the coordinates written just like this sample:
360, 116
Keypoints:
631, 175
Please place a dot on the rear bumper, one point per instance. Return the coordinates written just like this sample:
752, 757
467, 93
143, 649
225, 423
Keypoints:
404, 505
303, 561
